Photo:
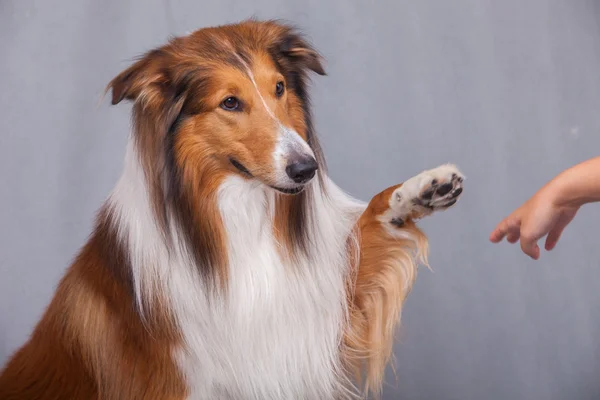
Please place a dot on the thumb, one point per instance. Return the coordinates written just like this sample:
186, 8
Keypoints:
558, 229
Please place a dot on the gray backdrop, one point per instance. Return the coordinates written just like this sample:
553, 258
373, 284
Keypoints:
507, 89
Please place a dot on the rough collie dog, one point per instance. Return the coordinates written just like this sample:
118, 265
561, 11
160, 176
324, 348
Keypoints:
225, 264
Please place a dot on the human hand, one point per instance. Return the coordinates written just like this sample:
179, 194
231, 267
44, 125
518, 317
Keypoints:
543, 214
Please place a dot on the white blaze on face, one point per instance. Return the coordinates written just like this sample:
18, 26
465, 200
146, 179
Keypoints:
289, 142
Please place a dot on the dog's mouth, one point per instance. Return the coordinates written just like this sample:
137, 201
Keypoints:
240, 167
289, 191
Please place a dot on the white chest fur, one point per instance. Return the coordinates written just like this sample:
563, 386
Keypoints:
277, 334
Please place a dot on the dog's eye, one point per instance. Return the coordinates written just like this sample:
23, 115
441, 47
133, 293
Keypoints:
279, 89
230, 104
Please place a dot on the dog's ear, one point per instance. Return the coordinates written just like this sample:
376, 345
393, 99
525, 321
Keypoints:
293, 47
148, 84
143, 76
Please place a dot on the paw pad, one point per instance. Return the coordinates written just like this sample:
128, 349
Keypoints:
435, 189
442, 191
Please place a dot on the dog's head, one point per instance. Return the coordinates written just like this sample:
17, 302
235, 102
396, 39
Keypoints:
229, 99
222, 101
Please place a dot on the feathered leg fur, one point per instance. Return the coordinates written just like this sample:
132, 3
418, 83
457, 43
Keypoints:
390, 247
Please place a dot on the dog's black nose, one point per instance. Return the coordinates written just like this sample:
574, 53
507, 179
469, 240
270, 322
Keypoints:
302, 170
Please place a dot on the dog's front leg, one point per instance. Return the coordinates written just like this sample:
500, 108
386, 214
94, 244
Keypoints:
390, 247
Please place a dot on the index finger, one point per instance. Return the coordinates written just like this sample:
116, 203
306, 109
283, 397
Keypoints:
500, 231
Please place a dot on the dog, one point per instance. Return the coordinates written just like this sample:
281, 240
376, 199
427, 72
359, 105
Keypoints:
226, 264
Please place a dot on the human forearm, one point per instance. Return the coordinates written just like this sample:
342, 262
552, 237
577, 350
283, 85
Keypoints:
577, 185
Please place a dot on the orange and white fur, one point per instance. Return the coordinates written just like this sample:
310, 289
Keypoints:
226, 264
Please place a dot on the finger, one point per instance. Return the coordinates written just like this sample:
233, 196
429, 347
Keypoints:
557, 231
500, 231
509, 226
513, 235
514, 230
530, 247
553, 238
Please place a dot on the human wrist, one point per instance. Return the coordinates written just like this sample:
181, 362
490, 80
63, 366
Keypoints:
560, 191
572, 188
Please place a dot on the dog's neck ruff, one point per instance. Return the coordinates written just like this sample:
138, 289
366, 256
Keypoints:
275, 332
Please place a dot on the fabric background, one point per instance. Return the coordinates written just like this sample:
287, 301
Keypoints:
509, 90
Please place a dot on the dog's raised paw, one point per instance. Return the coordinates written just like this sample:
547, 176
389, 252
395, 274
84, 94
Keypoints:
432, 190
440, 187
